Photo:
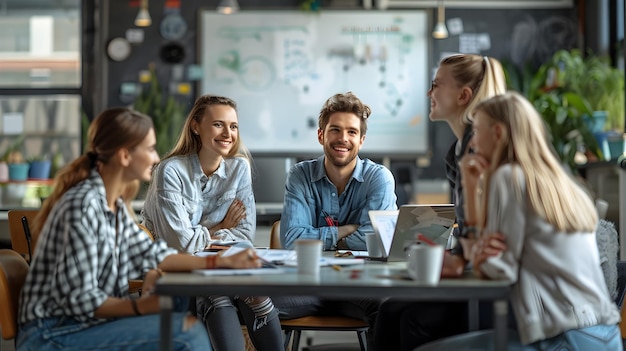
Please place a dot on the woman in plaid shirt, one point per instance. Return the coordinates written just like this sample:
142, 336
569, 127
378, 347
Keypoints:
76, 292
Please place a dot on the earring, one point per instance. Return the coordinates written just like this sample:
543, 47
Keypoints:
195, 132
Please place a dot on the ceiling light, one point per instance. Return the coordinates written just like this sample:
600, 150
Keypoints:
228, 7
440, 31
143, 18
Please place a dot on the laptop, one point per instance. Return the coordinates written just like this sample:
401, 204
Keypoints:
398, 229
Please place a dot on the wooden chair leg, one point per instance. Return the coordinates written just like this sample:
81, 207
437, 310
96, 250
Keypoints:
287, 339
295, 345
362, 340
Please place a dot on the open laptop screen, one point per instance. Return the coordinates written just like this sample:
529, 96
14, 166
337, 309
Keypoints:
434, 221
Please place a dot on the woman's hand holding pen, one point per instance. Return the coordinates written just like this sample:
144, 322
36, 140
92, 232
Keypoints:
244, 259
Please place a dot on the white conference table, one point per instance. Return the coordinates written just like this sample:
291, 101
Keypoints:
374, 280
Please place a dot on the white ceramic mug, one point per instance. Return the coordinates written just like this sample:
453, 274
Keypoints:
308, 252
424, 262
373, 244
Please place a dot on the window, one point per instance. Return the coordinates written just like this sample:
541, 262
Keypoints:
40, 81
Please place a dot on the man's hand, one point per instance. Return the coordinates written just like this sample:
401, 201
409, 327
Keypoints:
345, 230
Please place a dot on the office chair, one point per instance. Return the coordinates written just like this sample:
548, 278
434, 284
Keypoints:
13, 270
322, 323
23, 241
135, 285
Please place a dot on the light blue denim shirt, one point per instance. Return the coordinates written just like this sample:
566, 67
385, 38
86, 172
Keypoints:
183, 203
309, 192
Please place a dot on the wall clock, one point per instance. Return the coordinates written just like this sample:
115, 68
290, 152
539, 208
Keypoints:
173, 27
118, 49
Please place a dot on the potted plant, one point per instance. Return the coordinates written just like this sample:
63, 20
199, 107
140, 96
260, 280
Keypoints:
594, 78
167, 114
39, 167
562, 109
602, 86
13, 160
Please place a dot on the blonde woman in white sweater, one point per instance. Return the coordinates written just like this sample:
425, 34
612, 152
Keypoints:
536, 228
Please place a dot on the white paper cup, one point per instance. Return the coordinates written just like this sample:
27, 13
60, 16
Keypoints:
373, 244
309, 252
424, 263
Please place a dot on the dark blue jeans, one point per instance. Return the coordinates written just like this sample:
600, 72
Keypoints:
127, 333
596, 338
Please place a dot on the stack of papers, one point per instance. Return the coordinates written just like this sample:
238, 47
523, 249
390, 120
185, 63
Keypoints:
289, 258
280, 258
248, 271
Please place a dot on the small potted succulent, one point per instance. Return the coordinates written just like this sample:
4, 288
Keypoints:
17, 167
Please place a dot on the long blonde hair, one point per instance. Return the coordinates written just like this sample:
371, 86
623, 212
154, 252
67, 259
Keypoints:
484, 75
188, 142
113, 129
552, 192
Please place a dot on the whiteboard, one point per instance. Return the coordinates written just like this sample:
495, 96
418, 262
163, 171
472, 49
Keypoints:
281, 66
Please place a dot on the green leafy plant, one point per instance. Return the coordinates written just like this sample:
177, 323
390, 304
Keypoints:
596, 80
167, 114
562, 109
563, 113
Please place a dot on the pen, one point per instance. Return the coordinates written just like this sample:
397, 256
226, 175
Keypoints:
267, 263
329, 220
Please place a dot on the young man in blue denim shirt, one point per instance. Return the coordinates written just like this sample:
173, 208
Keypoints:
329, 199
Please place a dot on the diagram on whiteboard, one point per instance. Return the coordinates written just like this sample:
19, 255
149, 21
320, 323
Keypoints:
280, 67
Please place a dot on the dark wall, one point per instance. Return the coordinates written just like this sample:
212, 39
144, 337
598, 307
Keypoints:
519, 36
122, 16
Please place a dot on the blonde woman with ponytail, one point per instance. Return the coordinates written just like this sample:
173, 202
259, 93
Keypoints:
462, 81
536, 229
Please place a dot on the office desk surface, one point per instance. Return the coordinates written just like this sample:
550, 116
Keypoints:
373, 279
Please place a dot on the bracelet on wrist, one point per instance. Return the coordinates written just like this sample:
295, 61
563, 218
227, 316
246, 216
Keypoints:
133, 303
468, 230
211, 261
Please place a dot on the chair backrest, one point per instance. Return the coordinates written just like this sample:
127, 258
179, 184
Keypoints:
275, 236
19, 220
13, 270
